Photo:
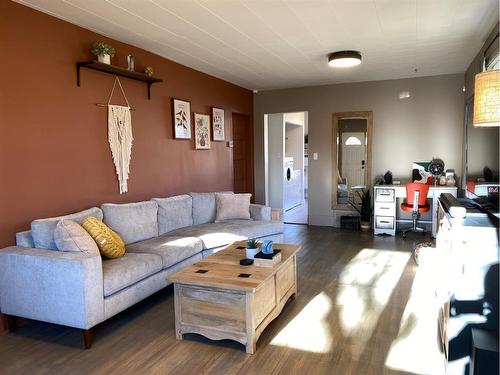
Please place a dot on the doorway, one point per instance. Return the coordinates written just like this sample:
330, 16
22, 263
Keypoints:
242, 154
286, 164
351, 154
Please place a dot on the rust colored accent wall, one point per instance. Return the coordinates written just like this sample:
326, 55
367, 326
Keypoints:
54, 152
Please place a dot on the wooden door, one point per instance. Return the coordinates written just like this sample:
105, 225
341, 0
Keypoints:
242, 154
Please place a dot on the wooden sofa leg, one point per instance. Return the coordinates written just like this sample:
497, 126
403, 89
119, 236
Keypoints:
87, 338
11, 323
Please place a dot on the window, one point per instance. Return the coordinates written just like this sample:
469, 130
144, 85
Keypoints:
492, 56
352, 141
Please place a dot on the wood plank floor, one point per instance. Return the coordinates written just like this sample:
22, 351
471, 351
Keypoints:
352, 291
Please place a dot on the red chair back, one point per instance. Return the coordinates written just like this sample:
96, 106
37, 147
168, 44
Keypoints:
413, 187
471, 186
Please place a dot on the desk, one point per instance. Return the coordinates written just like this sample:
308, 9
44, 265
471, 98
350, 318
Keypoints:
385, 206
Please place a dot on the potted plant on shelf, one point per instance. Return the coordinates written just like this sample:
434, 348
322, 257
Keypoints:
364, 209
252, 248
103, 51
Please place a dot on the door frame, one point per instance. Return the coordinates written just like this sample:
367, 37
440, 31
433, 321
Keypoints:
250, 158
336, 116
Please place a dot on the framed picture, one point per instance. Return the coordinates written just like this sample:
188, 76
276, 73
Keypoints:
181, 113
420, 172
201, 131
218, 124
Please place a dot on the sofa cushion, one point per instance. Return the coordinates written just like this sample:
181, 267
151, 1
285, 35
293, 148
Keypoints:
25, 239
70, 236
232, 206
109, 242
42, 230
132, 267
260, 212
171, 249
225, 232
203, 208
174, 212
132, 221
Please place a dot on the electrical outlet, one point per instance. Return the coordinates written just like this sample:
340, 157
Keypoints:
315, 156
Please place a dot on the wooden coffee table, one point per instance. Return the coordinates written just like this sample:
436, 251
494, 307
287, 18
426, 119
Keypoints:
220, 299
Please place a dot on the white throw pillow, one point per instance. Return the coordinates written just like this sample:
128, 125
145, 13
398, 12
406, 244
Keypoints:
70, 236
232, 206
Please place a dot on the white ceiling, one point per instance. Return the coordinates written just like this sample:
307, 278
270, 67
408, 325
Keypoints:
266, 44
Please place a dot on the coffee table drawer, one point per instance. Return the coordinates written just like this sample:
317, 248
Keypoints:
216, 309
285, 278
264, 301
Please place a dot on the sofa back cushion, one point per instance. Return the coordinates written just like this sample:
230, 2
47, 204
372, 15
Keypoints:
204, 208
132, 221
42, 230
25, 239
232, 206
71, 236
174, 213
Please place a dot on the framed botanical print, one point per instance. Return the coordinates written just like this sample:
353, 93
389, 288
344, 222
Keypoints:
218, 124
201, 131
181, 113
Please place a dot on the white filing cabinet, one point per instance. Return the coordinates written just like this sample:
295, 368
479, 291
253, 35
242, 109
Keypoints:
386, 208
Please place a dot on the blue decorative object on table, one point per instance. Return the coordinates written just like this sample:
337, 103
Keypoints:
267, 247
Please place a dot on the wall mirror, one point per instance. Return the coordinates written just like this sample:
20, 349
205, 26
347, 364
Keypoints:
351, 156
481, 161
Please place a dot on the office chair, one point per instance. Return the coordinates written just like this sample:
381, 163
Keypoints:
416, 196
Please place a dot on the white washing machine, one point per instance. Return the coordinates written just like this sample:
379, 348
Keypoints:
292, 189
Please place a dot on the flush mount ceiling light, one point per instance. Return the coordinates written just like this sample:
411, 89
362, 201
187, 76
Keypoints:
344, 59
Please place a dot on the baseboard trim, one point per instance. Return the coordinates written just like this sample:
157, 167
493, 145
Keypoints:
321, 220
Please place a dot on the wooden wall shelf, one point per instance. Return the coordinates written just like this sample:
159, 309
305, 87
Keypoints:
118, 71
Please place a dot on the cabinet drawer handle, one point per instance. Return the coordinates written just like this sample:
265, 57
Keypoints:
384, 222
385, 208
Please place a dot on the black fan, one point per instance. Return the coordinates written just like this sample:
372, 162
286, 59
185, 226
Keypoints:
436, 168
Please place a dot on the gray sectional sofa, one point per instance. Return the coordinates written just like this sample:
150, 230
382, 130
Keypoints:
80, 290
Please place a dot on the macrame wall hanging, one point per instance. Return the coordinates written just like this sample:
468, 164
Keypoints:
120, 136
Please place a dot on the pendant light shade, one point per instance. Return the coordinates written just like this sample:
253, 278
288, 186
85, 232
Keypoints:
344, 59
487, 99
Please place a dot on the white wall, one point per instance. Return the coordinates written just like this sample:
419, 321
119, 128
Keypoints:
428, 124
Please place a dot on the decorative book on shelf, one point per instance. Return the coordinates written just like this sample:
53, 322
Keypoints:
267, 260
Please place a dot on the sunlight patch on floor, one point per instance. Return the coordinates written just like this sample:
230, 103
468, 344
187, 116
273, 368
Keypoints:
309, 330
365, 287
360, 296
416, 349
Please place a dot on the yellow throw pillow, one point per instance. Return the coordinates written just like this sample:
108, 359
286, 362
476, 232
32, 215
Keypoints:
109, 242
